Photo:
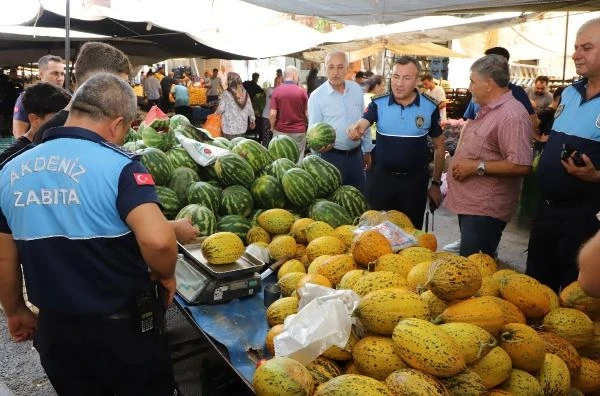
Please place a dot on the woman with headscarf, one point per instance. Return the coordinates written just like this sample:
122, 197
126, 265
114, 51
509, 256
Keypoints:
235, 108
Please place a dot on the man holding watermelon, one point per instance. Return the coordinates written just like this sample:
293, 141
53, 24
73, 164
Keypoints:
81, 215
339, 102
405, 118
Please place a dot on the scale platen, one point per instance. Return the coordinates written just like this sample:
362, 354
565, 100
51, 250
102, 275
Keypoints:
201, 283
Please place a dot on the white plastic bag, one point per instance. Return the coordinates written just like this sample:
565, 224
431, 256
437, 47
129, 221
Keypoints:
324, 319
204, 154
398, 238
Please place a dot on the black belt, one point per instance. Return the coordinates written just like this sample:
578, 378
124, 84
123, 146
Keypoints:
345, 152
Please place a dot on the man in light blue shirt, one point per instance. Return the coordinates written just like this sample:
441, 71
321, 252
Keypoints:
339, 102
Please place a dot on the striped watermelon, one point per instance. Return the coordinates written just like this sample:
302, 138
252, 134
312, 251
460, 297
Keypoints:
236, 200
283, 146
232, 169
299, 187
236, 140
330, 212
279, 166
169, 201
203, 193
320, 135
132, 136
156, 119
158, 165
221, 142
180, 157
134, 146
239, 225
201, 216
326, 176
267, 192
253, 152
160, 140
181, 179
207, 172
351, 199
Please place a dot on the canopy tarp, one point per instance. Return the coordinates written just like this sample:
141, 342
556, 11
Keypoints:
353, 12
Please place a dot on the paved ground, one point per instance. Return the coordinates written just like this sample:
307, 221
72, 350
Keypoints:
22, 375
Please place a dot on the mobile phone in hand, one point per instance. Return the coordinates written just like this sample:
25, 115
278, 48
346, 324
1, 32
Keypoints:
569, 151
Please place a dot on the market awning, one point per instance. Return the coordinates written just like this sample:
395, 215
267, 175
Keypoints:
353, 12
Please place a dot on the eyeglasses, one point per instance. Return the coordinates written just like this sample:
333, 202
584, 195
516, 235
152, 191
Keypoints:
403, 78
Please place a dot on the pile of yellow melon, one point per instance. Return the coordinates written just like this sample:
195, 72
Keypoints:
435, 323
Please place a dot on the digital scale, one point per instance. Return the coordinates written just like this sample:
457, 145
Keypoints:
201, 283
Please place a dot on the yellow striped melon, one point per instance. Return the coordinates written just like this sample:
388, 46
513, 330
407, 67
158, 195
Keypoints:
486, 263
571, 324
281, 309
554, 376
573, 296
527, 294
324, 245
353, 385
350, 278
369, 246
494, 368
436, 305
562, 348
588, 380
222, 248
292, 265
378, 280
298, 229
453, 278
524, 346
270, 338
317, 229
467, 383
276, 221
417, 277
473, 341
280, 376
522, 383
489, 287
425, 346
380, 310
408, 381
257, 234
374, 357
288, 282
323, 369
282, 247
335, 267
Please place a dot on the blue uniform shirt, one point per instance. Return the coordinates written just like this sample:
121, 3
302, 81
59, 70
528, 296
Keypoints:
402, 132
517, 91
577, 124
65, 202
325, 104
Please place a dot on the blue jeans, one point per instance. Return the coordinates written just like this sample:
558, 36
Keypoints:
479, 233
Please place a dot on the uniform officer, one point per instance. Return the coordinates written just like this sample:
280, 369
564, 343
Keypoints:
399, 178
570, 183
82, 216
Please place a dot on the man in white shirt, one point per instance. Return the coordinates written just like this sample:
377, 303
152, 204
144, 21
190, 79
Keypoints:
436, 92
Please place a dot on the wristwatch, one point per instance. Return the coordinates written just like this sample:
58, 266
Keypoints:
481, 169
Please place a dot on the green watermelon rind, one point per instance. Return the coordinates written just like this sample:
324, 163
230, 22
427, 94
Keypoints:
280, 166
232, 169
158, 164
237, 224
298, 186
181, 179
201, 216
180, 157
255, 153
283, 146
204, 193
327, 176
236, 200
267, 192
351, 199
331, 213
169, 201
319, 135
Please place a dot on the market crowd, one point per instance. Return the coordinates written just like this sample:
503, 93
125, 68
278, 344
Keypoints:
80, 219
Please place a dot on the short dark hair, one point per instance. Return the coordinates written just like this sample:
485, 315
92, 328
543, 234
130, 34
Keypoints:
374, 81
543, 79
95, 57
278, 71
43, 98
215, 70
426, 77
405, 60
360, 74
44, 60
498, 51
255, 76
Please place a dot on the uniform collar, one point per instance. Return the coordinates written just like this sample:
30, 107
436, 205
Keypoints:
72, 133
415, 102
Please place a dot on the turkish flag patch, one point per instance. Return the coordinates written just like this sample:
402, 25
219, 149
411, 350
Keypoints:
143, 179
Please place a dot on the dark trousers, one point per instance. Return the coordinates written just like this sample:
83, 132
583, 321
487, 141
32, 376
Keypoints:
557, 233
404, 192
186, 111
479, 234
351, 166
103, 357
153, 102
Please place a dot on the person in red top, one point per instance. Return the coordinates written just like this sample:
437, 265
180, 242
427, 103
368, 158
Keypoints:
289, 106
486, 171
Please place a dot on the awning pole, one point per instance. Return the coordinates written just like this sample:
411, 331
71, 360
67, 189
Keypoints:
565, 49
68, 46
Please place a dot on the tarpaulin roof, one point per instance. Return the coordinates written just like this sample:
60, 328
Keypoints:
367, 12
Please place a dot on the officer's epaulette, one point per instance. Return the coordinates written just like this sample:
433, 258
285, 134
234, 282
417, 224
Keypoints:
120, 150
380, 96
431, 98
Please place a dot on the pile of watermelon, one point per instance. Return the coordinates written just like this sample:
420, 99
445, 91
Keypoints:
231, 193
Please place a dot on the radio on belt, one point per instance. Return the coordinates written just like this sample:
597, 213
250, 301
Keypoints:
201, 283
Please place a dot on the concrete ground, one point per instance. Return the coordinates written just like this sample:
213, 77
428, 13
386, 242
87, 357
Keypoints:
22, 375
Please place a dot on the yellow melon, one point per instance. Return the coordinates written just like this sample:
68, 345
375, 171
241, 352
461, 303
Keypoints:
316, 279
282, 247
317, 229
298, 229
293, 265
486, 263
369, 246
399, 218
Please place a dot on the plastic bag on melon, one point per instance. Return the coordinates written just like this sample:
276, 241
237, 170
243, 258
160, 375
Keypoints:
203, 154
324, 319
